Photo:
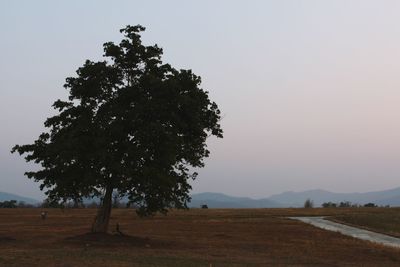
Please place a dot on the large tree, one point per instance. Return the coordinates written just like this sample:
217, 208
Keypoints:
132, 125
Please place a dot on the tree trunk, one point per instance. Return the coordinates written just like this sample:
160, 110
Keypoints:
100, 224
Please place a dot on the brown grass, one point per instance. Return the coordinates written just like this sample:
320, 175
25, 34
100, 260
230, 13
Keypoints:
380, 220
236, 237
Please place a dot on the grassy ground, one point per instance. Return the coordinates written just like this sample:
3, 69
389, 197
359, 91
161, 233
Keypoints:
237, 237
375, 219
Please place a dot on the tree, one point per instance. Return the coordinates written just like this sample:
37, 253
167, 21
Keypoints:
345, 204
329, 205
48, 203
131, 125
308, 204
8, 204
370, 205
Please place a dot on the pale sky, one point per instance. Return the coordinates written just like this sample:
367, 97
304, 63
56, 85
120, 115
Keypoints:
309, 90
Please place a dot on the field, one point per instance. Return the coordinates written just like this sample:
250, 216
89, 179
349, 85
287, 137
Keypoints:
385, 221
236, 237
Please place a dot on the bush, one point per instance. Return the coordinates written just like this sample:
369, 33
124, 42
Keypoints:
8, 204
345, 204
329, 205
51, 204
22, 204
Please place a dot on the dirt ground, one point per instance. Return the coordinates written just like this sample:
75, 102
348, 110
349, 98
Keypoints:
213, 237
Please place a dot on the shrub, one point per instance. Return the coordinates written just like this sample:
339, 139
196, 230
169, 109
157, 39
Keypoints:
329, 205
8, 204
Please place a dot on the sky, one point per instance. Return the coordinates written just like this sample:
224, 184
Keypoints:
309, 90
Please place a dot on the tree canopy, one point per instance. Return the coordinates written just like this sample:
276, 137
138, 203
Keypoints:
131, 125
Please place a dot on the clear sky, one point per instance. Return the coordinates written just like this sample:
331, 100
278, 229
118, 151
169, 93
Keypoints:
309, 90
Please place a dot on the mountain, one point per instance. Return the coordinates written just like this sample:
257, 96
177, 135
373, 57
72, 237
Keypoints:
7, 196
296, 199
287, 199
218, 200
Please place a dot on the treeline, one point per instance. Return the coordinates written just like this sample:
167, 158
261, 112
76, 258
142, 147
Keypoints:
11, 204
348, 204
344, 204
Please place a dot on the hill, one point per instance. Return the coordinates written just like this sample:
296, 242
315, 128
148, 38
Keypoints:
218, 200
389, 197
7, 196
296, 199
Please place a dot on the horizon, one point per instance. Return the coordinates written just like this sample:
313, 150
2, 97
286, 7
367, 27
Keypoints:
309, 90
244, 196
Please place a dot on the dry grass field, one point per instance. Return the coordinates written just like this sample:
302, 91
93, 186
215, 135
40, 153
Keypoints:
379, 220
235, 237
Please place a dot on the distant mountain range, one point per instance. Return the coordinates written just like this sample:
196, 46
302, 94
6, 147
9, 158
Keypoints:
296, 199
387, 197
287, 199
218, 200
7, 196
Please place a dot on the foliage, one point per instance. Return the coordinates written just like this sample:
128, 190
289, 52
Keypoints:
15, 204
48, 203
329, 205
309, 203
9, 204
132, 125
345, 204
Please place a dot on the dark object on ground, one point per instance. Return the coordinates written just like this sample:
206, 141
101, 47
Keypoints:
204, 206
43, 215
